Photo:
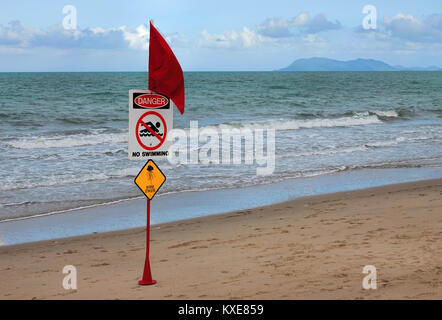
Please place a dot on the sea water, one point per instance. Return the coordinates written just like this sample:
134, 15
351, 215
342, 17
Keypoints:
63, 136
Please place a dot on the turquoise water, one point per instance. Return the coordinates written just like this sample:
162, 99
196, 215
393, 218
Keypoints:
63, 136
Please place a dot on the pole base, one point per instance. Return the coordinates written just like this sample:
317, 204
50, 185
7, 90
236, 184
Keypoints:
146, 283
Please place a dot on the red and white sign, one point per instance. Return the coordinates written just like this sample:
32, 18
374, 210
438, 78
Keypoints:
150, 119
151, 130
151, 100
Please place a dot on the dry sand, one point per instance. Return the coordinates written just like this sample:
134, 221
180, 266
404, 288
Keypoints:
313, 247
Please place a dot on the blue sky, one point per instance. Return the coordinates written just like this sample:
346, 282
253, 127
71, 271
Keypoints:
216, 34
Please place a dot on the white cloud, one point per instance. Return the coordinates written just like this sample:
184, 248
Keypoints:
302, 23
276, 28
87, 38
301, 19
314, 39
138, 39
16, 35
320, 23
177, 40
274, 32
408, 27
245, 38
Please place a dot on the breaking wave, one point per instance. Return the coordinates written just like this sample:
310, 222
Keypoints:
71, 139
67, 141
283, 124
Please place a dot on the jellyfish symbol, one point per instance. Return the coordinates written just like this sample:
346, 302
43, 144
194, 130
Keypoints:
150, 174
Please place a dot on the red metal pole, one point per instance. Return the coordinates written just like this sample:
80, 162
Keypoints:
147, 275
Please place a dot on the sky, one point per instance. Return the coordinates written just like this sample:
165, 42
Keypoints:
216, 35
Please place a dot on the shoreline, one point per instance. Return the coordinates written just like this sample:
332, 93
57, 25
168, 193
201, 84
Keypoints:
129, 214
388, 187
309, 247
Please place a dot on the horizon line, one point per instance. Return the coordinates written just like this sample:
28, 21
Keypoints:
285, 71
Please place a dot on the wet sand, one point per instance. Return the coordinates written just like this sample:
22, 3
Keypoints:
311, 247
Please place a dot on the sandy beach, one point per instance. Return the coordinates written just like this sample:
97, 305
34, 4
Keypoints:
311, 247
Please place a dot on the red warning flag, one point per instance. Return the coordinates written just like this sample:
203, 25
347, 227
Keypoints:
165, 73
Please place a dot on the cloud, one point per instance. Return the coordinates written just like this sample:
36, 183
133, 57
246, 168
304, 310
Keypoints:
138, 39
280, 27
405, 26
273, 31
302, 23
16, 35
88, 38
245, 38
320, 23
275, 28
314, 40
177, 40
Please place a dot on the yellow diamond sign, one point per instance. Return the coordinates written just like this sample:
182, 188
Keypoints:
150, 179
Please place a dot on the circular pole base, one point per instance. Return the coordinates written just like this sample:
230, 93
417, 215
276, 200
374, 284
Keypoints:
146, 283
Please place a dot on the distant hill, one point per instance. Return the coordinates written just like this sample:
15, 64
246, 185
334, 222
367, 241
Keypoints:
324, 64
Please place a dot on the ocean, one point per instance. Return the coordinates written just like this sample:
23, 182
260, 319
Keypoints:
63, 136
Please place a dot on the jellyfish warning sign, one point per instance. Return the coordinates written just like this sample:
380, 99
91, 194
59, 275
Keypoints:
150, 119
150, 179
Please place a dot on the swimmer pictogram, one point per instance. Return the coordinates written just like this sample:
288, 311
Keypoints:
151, 130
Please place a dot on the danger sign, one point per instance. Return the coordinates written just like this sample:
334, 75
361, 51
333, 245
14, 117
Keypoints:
150, 119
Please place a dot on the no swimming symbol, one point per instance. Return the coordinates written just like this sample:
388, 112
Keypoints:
151, 130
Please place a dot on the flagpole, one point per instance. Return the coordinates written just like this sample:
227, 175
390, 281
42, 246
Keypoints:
147, 274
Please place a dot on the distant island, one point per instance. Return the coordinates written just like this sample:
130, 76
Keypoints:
324, 64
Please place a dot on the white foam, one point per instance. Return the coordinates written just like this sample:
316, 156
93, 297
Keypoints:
67, 179
69, 210
387, 113
386, 143
61, 141
351, 149
283, 124
324, 152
